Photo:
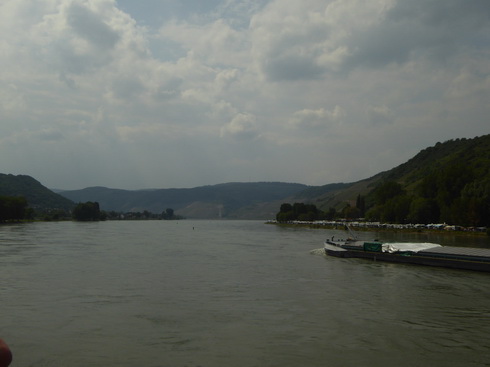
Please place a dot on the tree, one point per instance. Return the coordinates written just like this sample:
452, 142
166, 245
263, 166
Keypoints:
396, 209
476, 199
168, 214
361, 205
286, 213
285, 216
299, 211
331, 214
350, 212
391, 203
386, 191
286, 207
423, 211
89, 211
448, 187
12, 208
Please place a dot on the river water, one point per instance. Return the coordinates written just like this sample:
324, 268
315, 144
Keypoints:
228, 293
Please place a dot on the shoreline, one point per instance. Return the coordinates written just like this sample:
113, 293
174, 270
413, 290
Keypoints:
393, 228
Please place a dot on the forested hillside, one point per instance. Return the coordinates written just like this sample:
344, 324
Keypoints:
37, 196
446, 183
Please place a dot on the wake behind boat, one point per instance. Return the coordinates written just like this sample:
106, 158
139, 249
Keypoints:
411, 253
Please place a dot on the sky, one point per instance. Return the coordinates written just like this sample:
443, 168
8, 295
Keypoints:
184, 93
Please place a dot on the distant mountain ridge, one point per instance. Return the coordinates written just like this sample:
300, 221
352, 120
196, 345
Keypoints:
261, 200
256, 200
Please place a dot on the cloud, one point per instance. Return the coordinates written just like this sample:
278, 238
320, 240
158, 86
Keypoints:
379, 115
11, 99
294, 40
216, 43
241, 128
237, 86
287, 38
436, 30
73, 37
89, 26
320, 118
51, 135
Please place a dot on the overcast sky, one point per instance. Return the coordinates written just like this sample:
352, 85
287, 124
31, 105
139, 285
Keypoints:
183, 93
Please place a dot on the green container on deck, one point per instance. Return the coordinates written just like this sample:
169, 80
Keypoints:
373, 246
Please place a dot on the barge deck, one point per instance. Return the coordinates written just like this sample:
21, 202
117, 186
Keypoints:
443, 256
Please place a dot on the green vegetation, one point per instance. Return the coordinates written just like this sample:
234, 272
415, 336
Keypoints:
169, 214
90, 211
39, 198
443, 197
13, 208
87, 212
448, 183
301, 212
40, 202
24, 198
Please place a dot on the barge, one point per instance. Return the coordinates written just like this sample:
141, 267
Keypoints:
412, 253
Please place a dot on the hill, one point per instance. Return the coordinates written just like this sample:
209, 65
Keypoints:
471, 153
449, 182
37, 196
230, 200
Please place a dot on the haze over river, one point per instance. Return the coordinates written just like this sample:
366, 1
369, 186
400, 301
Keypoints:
229, 293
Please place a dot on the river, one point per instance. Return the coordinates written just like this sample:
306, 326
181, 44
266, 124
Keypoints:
229, 293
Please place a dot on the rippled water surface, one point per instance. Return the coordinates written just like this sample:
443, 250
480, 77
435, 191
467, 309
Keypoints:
228, 293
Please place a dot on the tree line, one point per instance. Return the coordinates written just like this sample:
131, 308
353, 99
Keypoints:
16, 208
453, 195
90, 211
303, 212
309, 212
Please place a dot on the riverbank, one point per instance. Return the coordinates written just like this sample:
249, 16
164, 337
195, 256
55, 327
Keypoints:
377, 226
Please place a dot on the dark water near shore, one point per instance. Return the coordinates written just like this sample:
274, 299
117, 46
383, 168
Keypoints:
229, 293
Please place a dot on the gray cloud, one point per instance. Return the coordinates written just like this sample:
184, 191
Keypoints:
380, 115
242, 128
317, 119
90, 26
189, 93
73, 38
436, 30
51, 135
291, 67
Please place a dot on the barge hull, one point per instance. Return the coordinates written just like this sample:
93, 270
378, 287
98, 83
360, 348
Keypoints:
456, 261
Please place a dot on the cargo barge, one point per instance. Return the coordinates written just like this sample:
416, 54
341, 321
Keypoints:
477, 259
